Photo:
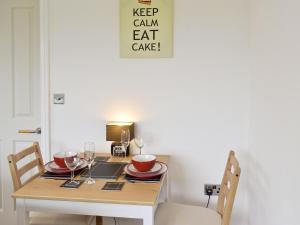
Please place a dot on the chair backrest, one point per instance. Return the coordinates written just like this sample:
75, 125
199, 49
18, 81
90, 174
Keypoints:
17, 173
228, 188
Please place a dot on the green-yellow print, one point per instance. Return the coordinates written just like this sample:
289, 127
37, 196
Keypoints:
146, 30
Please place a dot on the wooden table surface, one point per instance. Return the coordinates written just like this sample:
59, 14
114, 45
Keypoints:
132, 193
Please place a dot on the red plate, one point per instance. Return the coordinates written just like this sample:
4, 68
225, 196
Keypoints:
157, 167
163, 169
54, 168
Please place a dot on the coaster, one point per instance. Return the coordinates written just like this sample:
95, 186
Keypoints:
69, 184
113, 186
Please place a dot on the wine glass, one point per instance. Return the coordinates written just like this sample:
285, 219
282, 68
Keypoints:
72, 160
125, 140
89, 156
139, 143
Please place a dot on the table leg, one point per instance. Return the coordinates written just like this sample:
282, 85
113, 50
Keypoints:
148, 221
164, 194
22, 214
168, 186
149, 218
99, 220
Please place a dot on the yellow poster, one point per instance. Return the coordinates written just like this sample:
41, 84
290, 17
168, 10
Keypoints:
146, 28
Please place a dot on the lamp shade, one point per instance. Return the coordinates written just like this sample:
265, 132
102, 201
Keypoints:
113, 130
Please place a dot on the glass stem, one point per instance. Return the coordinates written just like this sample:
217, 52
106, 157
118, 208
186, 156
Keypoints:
90, 172
72, 176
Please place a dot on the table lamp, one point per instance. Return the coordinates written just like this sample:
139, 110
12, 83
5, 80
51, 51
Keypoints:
113, 133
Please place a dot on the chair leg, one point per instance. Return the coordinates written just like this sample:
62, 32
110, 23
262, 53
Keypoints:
99, 220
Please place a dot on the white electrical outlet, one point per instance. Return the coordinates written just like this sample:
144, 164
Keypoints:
214, 187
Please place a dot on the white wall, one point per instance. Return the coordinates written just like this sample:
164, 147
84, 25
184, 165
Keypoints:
193, 106
275, 125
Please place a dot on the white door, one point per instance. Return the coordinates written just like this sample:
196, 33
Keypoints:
19, 89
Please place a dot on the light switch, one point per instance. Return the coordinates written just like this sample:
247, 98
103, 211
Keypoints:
58, 98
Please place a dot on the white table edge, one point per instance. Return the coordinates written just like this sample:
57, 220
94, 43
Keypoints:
145, 212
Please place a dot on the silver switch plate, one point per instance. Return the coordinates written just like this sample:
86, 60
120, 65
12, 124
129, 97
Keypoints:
58, 98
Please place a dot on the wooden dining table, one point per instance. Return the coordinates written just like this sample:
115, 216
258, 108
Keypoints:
135, 200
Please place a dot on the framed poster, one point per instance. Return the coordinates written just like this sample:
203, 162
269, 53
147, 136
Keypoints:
146, 28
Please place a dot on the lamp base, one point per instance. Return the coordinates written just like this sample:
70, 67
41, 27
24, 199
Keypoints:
117, 145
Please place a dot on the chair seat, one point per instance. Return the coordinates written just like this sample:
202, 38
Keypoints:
180, 214
38, 218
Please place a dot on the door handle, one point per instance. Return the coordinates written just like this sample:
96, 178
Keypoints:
36, 131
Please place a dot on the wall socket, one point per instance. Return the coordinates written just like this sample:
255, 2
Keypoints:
214, 187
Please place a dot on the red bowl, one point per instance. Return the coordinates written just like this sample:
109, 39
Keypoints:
143, 163
59, 158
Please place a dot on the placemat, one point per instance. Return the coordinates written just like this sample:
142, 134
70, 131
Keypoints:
63, 176
105, 170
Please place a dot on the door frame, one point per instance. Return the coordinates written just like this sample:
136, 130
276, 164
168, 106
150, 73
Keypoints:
45, 79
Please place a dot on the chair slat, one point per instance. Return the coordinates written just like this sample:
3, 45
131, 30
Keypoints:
227, 194
234, 162
228, 176
24, 153
13, 170
35, 163
28, 167
38, 155
18, 173
225, 190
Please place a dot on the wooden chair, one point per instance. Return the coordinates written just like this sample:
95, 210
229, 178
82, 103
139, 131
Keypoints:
37, 218
180, 214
